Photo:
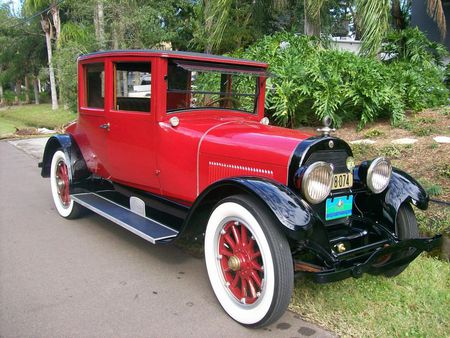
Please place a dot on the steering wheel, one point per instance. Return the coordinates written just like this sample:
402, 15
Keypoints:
234, 101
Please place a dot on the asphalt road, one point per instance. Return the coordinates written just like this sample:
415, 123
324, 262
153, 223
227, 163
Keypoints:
90, 277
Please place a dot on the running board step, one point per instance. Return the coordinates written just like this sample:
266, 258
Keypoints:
144, 227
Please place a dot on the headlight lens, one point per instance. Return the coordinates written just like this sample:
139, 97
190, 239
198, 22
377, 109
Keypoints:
379, 174
316, 182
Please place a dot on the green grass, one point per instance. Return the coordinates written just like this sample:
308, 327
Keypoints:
415, 303
35, 116
373, 133
8, 127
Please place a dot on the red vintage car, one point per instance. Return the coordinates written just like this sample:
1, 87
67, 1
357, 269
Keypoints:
175, 145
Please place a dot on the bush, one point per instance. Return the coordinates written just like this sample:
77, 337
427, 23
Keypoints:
447, 75
312, 82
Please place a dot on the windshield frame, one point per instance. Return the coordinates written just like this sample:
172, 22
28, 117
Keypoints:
218, 68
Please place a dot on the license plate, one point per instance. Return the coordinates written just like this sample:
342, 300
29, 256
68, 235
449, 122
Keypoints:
341, 181
338, 207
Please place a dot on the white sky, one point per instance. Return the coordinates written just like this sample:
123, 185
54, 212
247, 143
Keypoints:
16, 5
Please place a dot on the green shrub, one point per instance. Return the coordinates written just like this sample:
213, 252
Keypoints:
447, 76
312, 82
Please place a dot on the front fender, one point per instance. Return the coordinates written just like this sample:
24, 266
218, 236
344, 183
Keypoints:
65, 142
403, 188
295, 216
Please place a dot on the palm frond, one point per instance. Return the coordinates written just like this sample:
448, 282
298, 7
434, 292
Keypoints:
313, 8
217, 14
436, 12
374, 22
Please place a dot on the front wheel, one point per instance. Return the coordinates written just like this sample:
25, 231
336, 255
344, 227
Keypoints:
59, 182
406, 228
249, 261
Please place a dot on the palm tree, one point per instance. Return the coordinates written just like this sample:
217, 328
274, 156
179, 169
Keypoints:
373, 18
51, 25
436, 12
217, 16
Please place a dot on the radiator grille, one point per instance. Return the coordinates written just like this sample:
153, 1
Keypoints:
336, 157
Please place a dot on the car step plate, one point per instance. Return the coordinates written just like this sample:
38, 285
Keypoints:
338, 207
144, 227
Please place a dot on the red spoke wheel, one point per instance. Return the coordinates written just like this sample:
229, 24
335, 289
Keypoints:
241, 262
60, 183
249, 261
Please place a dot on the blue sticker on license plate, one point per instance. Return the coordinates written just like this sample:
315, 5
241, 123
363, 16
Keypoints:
338, 207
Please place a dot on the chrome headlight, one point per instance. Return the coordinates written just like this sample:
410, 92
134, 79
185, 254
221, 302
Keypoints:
379, 174
317, 181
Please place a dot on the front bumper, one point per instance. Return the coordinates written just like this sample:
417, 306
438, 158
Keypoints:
381, 260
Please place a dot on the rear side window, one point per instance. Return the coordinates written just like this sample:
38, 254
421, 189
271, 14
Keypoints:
133, 83
95, 85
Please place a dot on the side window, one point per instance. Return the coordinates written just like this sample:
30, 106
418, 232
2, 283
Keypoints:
133, 83
95, 85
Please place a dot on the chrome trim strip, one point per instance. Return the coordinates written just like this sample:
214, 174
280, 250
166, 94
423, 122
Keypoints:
198, 151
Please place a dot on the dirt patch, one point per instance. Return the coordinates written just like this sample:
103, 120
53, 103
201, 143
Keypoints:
426, 160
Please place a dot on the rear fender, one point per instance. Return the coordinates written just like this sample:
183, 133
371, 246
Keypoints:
295, 217
67, 144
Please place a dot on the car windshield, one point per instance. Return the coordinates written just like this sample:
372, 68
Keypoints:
195, 85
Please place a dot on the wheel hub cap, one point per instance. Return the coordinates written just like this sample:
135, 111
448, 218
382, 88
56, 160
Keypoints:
234, 263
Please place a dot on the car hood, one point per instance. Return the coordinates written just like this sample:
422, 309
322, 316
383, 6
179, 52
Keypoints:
252, 141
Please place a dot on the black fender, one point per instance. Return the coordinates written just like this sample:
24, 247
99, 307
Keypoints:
402, 188
77, 169
295, 216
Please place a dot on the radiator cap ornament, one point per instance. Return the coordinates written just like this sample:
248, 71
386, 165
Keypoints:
326, 130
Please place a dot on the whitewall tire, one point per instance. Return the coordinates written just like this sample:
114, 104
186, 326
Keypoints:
59, 182
249, 261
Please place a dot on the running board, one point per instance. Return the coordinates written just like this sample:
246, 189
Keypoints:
144, 227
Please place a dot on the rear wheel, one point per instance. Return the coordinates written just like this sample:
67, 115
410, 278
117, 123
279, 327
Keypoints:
249, 262
59, 182
406, 228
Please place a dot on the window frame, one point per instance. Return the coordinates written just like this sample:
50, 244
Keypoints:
114, 62
82, 87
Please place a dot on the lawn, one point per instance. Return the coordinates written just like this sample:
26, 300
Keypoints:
414, 304
32, 116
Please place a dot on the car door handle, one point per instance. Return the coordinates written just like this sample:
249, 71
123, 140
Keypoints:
104, 126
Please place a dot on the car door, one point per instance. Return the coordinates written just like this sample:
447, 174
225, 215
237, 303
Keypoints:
130, 139
92, 117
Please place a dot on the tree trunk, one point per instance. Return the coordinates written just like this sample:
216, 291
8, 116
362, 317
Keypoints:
56, 20
99, 23
46, 27
36, 90
18, 91
2, 99
397, 15
311, 28
27, 90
